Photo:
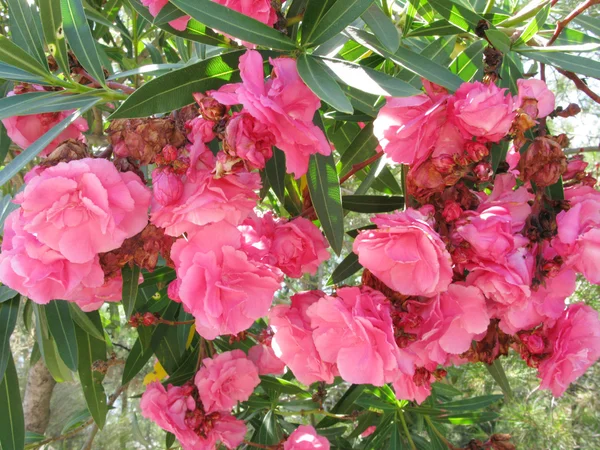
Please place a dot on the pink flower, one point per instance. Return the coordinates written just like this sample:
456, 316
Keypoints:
406, 388
91, 298
535, 98
368, 432
39, 272
226, 379
84, 207
482, 111
206, 199
408, 127
305, 437
249, 139
295, 247
265, 359
25, 130
200, 130
224, 290
176, 410
155, 6
293, 343
261, 10
167, 187
405, 253
575, 344
578, 239
514, 201
354, 331
284, 104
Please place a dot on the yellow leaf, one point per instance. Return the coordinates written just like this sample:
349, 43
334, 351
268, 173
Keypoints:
190, 336
159, 373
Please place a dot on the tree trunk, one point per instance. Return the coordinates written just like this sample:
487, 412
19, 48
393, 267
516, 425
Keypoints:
36, 406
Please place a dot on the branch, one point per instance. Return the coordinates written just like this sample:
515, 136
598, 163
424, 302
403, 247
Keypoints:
362, 165
79, 429
561, 24
576, 150
580, 84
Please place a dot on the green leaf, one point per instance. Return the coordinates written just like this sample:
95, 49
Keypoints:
324, 188
80, 37
372, 203
467, 418
130, 288
368, 80
345, 405
348, 267
169, 440
50, 10
47, 347
83, 321
439, 51
464, 18
62, 330
437, 28
409, 60
269, 432
536, 24
195, 31
32, 151
150, 69
572, 63
8, 72
6, 293
90, 351
12, 425
31, 437
136, 360
282, 386
275, 170
167, 14
14, 56
161, 275
228, 21
471, 404
499, 40
174, 89
76, 420
335, 20
322, 84
589, 23
22, 15
9, 310
314, 12
382, 26
557, 190
528, 11
362, 147
497, 372
41, 102
469, 61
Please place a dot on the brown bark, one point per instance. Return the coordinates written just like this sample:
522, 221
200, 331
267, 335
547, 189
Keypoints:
36, 406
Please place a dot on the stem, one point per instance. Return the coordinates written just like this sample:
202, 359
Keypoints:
310, 412
438, 434
561, 24
386, 8
488, 6
293, 20
580, 84
575, 150
405, 427
360, 166
268, 447
174, 322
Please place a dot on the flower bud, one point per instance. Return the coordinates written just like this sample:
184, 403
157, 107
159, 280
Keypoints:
167, 186
476, 150
210, 108
533, 342
483, 171
452, 211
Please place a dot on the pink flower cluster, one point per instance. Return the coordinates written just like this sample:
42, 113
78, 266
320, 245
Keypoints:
261, 10
25, 130
68, 215
231, 261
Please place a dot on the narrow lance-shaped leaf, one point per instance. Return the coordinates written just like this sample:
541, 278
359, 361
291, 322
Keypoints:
12, 425
372, 203
9, 311
50, 10
457, 14
348, 267
62, 330
341, 14
536, 24
80, 37
228, 21
322, 84
90, 351
27, 34
12, 55
275, 170
131, 277
34, 149
136, 360
324, 188
572, 63
314, 12
41, 102
382, 26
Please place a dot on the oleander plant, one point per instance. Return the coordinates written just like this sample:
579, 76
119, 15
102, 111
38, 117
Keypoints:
304, 213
